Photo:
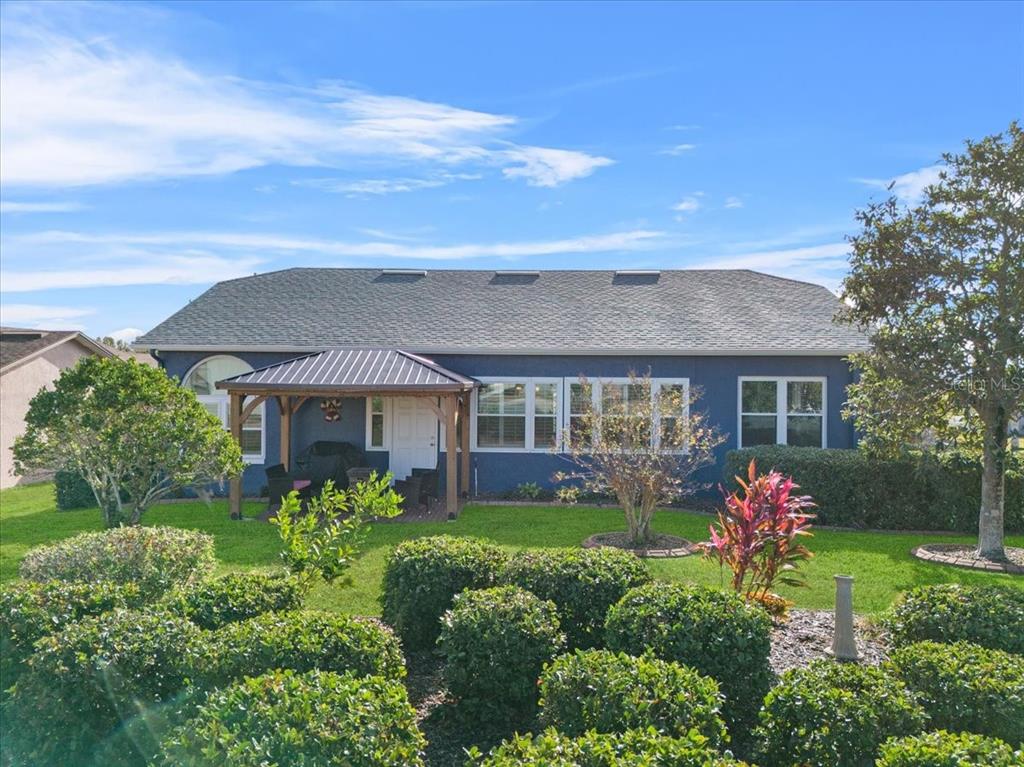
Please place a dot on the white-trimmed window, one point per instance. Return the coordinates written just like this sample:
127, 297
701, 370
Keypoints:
516, 414
782, 411
377, 431
620, 394
202, 380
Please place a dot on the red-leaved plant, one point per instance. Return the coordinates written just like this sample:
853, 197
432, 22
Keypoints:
757, 535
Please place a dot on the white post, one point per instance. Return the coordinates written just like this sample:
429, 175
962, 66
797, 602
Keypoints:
844, 642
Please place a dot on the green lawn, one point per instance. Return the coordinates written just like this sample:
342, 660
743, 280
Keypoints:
881, 563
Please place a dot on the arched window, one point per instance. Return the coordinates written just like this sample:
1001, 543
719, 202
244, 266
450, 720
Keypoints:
202, 379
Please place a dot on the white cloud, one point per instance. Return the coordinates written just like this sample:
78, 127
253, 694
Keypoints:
733, 202
824, 264
908, 187
683, 126
382, 186
679, 149
550, 167
687, 204
128, 335
12, 206
42, 316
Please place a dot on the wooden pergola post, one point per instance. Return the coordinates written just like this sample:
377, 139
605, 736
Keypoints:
235, 425
450, 407
284, 404
464, 421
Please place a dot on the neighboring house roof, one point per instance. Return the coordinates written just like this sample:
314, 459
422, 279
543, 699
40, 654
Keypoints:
476, 311
19, 345
351, 370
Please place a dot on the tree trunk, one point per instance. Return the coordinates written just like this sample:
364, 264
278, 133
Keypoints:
990, 520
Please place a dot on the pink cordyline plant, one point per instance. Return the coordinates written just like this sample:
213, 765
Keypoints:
757, 535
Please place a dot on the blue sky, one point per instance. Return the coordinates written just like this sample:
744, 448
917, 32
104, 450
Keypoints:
149, 150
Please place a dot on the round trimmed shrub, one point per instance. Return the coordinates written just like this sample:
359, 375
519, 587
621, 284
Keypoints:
317, 718
154, 558
583, 584
835, 714
633, 748
966, 687
422, 577
990, 616
84, 681
235, 597
302, 641
30, 611
947, 749
495, 643
608, 692
714, 632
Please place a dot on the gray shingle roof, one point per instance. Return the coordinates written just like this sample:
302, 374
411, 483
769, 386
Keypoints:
19, 344
672, 312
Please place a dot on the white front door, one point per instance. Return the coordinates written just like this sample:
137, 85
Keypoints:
413, 436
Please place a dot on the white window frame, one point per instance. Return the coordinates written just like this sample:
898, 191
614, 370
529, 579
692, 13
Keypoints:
367, 444
530, 414
782, 406
221, 402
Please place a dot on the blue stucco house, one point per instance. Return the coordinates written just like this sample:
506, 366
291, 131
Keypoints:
502, 353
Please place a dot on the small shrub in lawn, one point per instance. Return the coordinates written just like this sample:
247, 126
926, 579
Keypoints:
29, 611
966, 687
608, 692
315, 718
72, 491
583, 584
835, 714
715, 632
990, 616
947, 749
495, 643
302, 641
154, 558
235, 597
422, 576
633, 748
84, 681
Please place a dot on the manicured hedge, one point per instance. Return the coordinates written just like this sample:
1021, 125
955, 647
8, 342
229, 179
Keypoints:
835, 714
583, 584
947, 749
154, 558
966, 687
495, 643
238, 596
713, 631
990, 616
72, 491
608, 692
915, 492
634, 748
318, 718
422, 576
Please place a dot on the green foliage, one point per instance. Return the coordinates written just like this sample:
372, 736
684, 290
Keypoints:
72, 491
318, 718
529, 491
154, 558
422, 577
910, 491
714, 632
990, 616
130, 431
234, 597
835, 714
324, 539
583, 584
966, 687
947, 749
301, 641
30, 611
607, 692
84, 681
495, 643
633, 748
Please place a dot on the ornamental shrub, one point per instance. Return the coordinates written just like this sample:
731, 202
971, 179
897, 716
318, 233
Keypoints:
154, 558
714, 632
835, 714
608, 692
422, 576
72, 491
966, 687
315, 718
85, 681
238, 596
29, 611
633, 748
990, 616
302, 641
947, 749
583, 584
495, 643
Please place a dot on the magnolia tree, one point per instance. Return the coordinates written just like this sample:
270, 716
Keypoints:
642, 444
130, 431
940, 289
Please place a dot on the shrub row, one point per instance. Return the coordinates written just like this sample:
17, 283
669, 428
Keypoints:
234, 597
914, 492
945, 749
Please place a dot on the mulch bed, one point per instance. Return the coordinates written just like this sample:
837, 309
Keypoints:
663, 546
807, 635
963, 555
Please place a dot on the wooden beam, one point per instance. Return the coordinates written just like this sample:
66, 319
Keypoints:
464, 420
451, 495
235, 426
252, 406
299, 402
438, 411
285, 406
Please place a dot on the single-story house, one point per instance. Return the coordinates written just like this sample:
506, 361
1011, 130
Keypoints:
31, 360
386, 359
